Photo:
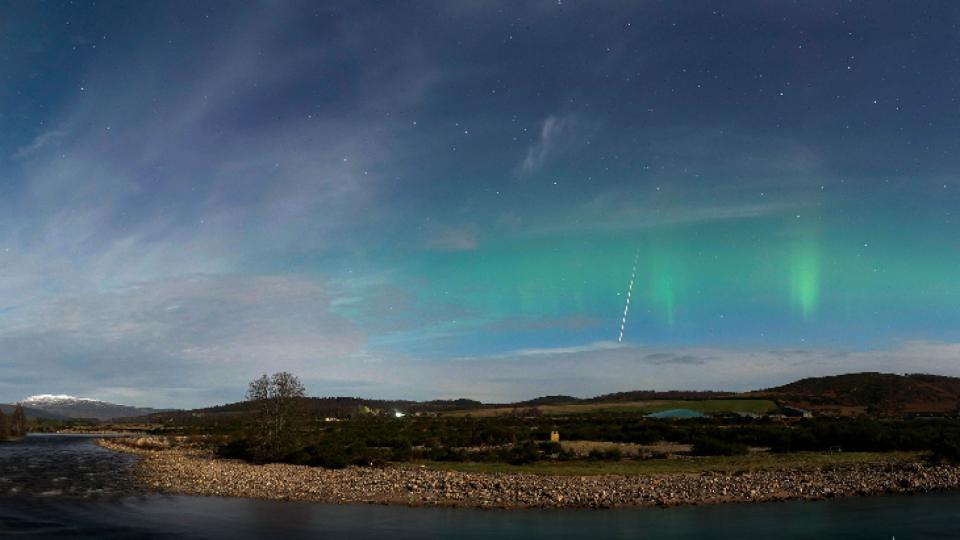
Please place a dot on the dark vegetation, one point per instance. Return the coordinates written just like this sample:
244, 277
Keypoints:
619, 397
872, 394
876, 394
275, 425
668, 395
278, 398
278, 424
517, 440
13, 425
333, 407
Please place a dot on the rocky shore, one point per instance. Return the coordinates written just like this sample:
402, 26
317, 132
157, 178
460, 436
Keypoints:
195, 472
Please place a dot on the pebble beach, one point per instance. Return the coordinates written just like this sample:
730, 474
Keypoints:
197, 472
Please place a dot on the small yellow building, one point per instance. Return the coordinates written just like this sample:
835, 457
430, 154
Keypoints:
554, 436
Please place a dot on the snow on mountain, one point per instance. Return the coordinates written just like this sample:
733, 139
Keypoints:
80, 407
55, 399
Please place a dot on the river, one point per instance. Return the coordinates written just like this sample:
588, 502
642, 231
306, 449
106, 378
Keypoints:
64, 486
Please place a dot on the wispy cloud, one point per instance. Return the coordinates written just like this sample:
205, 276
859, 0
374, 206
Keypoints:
146, 236
447, 238
626, 216
40, 142
603, 367
201, 332
556, 133
560, 351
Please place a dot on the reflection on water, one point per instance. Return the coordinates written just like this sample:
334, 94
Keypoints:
91, 507
881, 518
63, 466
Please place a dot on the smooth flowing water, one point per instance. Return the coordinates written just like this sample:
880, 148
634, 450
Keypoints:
95, 498
63, 465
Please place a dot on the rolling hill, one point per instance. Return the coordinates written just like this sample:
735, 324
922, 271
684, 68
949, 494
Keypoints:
873, 393
30, 412
62, 406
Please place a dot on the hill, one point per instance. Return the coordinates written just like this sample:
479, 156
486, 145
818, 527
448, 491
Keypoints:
62, 406
876, 394
871, 393
548, 400
656, 395
335, 407
30, 412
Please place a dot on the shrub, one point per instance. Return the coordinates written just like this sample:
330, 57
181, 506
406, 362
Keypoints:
235, 449
612, 454
550, 448
522, 453
711, 446
607, 454
402, 451
947, 449
330, 456
445, 453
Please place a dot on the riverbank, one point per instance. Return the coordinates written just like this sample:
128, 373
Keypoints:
191, 471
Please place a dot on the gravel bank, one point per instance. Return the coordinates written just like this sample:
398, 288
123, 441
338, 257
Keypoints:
192, 472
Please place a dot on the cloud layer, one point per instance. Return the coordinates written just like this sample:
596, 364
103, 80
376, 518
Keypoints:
203, 335
605, 367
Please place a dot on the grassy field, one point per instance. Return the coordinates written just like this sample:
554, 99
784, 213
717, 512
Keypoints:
706, 406
751, 462
583, 448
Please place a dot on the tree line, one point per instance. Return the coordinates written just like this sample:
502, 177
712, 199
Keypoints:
282, 430
13, 425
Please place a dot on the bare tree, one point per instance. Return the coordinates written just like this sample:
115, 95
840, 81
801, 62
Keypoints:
259, 388
278, 397
4, 427
18, 422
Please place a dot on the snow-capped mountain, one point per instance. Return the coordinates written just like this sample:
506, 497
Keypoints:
51, 399
79, 407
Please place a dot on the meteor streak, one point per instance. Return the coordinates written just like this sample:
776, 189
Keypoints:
626, 306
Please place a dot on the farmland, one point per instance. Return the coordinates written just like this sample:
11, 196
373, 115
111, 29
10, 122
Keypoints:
705, 406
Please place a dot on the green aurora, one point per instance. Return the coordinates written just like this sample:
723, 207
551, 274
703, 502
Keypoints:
697, 282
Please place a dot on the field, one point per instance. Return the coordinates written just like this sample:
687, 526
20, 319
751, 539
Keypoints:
693, 465
583, 448
706, 406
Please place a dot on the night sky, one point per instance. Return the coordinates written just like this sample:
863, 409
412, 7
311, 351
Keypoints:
442, 199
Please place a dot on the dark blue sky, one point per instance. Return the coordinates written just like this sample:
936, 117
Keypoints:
434, 199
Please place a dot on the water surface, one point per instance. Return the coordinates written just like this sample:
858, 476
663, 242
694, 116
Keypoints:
49, 465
